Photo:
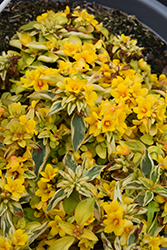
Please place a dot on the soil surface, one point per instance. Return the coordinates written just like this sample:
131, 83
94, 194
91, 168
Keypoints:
18, 13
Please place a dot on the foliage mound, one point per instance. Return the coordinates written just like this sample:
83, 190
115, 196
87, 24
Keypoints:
83, 150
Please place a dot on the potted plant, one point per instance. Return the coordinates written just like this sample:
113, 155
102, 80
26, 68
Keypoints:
83, 139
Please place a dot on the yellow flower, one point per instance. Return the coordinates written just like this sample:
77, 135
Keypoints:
45, 191
122, 149
15, 187
85, 244
19, 238
112, 207
163, 241
4, 245
28, 124
95, 123
75, 85
128, 227
42, 17
55, 229
163, 81
160, 199
25, 38
163, 161
71, 49
108, 123
16, 109
114, 223
33, 78
90, 161
88, 54
49, 173
14, 168
90, 95
152, 242
50, 45
143, 109
109, 189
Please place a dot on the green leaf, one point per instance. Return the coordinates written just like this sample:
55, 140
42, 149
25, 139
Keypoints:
29, 215
106, 243
93, 172
84, 210
153, 226
150, 213
6, 223
147, 164
37, 232
58, 196
70, 203
36, 45
140, 198
101, 151
16, 209
40, 157
69, 161
137, 159
154, 151
117, 244
160, 190
149, 195
146, 182
28, 174
49, 57
56, 107
134, 185
3, 208
155, 174
42, 94
135, 146
131, 239
70, 108
63, 243
28, 26
147, 139
77, 131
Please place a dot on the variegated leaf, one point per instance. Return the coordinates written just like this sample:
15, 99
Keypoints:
42, 94
106, 243
149, 195
6, 223
135, 146
63, 243
40, 157
117, 244
77, 131
160, 190
56, 107
58, 196
70, 108
93, 172
147, 164
146, 182
155, 174
134, 185
150, 213
37, 232
69, 161
3, 208
16, 209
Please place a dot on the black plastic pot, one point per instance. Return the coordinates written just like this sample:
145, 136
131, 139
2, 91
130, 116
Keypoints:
151, 13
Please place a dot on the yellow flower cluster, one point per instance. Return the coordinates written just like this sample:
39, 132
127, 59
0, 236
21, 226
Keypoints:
107, 117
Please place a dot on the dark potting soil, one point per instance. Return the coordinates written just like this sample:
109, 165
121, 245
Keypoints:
18, 13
